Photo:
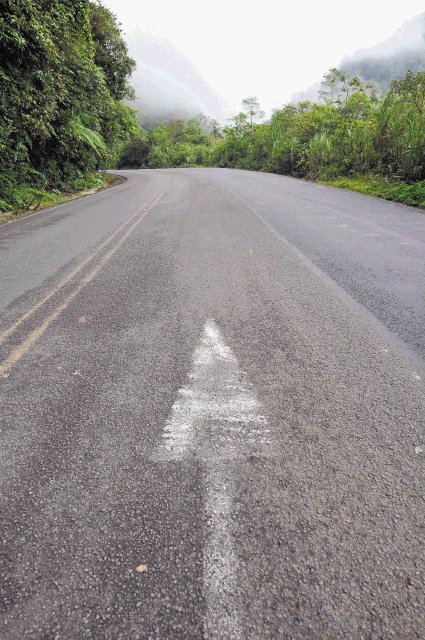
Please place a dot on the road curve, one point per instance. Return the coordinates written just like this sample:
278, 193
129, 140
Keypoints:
212, 399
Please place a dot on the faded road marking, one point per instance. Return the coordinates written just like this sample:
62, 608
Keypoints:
218, 420
22, 349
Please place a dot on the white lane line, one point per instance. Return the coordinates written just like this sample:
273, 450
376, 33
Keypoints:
221, 589
217, 419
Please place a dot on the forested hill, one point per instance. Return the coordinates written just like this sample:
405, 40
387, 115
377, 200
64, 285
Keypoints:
64, 70
381, 64
391, 59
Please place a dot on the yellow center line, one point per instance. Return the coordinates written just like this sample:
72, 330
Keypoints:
22, 349
7, 332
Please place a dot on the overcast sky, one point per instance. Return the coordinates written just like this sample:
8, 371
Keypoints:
270, 48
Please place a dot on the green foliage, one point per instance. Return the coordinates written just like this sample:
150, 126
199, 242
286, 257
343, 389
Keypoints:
60, 111
410, 194
400, 132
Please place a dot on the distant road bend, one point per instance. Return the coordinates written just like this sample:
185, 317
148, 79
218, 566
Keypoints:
213, 412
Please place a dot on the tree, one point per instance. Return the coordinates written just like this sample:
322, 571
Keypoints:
252, 108
135, 154
210, 126
111, 51
412, 89
193, 133
239, 125
337, 87
215, 128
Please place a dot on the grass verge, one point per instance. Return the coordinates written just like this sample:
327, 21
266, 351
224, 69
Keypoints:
410, 194
26, 199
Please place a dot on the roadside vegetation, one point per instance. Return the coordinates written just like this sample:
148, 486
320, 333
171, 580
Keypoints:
64, 70
176, 144
25, 199
64, 79
409, 194
354, 138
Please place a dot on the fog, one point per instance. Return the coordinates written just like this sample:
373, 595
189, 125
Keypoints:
167, 83
207, 57
409, 36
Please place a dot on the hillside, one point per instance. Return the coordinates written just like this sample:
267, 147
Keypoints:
386, 61
392, 58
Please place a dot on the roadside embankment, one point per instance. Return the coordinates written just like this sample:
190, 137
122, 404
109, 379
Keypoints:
412, 194
26, 199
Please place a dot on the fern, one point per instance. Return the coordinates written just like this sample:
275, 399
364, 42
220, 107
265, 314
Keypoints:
89, 137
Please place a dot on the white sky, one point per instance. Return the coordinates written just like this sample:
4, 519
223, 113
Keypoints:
271, 48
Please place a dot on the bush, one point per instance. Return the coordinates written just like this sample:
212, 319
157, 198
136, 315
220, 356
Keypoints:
135, 154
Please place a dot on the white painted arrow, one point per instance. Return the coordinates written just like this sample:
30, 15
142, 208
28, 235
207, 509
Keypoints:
216, 413
217, 419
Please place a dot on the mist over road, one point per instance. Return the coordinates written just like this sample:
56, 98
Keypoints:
212, 399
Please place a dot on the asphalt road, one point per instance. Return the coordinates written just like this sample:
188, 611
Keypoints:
212, 399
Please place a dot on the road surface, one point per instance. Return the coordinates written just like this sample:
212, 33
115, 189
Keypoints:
213, 401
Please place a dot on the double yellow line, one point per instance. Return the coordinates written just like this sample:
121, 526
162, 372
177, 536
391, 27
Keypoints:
16, 354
